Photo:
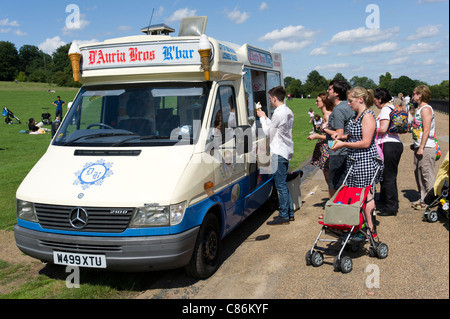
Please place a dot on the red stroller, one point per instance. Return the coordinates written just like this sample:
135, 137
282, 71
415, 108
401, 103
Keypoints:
344, 218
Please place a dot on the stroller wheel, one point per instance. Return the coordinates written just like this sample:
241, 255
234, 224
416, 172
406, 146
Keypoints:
317, 259
346, 264
337, 264
432, 216
308, 258
354, 248
382, 250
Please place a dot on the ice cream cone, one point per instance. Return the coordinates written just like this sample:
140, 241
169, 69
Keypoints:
205, 58
75, 58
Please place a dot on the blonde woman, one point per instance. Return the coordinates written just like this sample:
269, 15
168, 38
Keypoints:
423, 132
360, 141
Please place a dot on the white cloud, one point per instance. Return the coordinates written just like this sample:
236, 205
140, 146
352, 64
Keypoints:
429, 62
400, 60
6, 22
319, 51
180, 14
289, 32
263, 6
238, 17
290, 46
5, 30
426, 32
332, 67
379, 48
50, 45
362, 34
20, 33
421, 47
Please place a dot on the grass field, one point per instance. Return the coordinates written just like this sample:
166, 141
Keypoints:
18, 154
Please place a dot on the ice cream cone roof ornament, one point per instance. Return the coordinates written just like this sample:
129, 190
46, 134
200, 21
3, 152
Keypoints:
204, 49
75, 58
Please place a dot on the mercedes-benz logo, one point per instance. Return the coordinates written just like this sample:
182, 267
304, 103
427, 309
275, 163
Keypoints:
78, 218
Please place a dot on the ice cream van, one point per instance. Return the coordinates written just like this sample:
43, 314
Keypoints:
159, 157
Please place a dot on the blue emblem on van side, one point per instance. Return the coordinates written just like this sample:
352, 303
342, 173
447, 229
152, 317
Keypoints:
93, 174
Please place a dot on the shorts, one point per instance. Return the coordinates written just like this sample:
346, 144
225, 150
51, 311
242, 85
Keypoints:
336, 171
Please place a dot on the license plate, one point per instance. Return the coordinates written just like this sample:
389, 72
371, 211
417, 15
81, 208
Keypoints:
80, 260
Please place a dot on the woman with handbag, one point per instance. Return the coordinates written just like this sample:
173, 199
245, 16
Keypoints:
424, 147
392, 148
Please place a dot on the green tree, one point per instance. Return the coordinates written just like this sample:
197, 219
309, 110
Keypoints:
295, 88
9, 61
403, 85
364, 81
339, 76
440, 91
315, 83
386, 82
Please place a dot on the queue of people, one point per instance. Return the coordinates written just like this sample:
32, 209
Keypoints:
353, 132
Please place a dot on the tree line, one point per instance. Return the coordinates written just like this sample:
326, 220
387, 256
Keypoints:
30, 64
316, 83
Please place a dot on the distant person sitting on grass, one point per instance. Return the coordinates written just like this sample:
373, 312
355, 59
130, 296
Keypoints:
36, 128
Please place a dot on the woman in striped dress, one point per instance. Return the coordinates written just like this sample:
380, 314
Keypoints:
360, 140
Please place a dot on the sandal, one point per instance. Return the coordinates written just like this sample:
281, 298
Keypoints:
419, 206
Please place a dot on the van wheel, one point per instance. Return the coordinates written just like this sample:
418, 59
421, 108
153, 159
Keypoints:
205, 258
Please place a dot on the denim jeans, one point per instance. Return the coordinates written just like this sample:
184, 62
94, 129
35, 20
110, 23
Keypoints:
280, 169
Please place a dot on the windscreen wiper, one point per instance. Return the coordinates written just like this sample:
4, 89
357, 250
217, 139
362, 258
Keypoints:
98, 135
142, 138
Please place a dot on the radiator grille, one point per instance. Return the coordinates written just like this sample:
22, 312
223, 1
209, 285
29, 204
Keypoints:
100, 219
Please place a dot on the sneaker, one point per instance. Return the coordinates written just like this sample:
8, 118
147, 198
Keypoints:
291, 218
279, 221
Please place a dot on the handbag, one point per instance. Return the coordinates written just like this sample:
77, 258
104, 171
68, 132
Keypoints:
379, 149
438, 148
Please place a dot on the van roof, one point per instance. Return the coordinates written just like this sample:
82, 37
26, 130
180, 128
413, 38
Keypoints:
166, 58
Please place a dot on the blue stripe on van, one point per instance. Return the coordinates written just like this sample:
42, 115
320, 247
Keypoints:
236, 212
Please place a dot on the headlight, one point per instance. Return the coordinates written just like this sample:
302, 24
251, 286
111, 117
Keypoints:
177, 213
25, 211
158, 216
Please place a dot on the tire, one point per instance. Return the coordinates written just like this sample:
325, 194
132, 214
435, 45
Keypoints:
317, 259
205, 258
346, 264
382, 250
372, 251
432, 216
337, 264
354, 248
308, 258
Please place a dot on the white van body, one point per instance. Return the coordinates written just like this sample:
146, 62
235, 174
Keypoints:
128, 200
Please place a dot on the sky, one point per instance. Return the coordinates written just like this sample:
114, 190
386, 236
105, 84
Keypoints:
352, 37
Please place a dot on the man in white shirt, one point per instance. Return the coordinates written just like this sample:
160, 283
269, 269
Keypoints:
279, 130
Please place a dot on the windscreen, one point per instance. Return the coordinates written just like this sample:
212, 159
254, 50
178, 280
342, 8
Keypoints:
134, 115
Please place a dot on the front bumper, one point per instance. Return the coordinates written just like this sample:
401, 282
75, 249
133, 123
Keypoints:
122, 253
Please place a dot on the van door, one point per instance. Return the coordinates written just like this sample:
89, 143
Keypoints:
229, 166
